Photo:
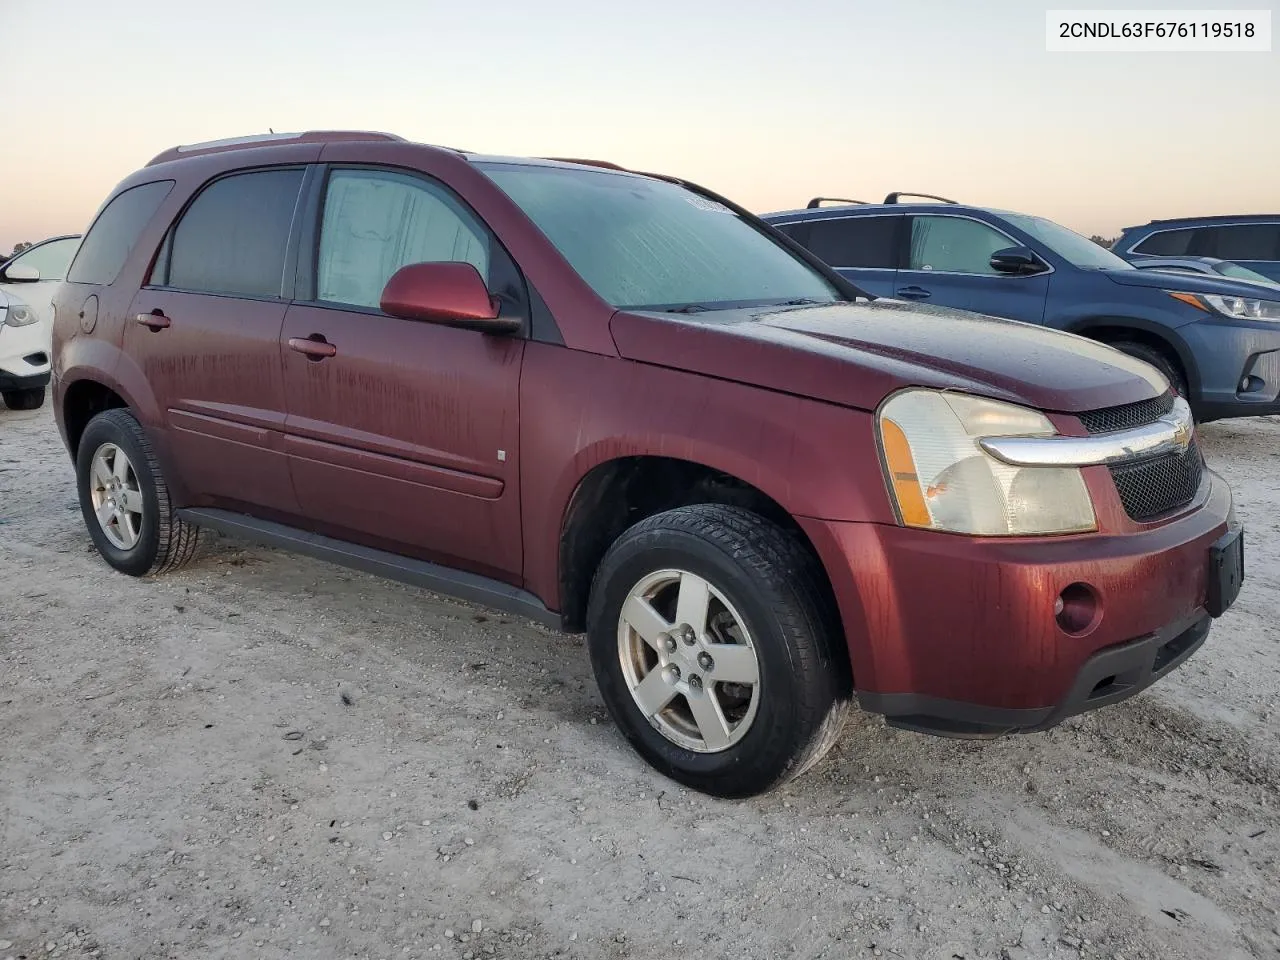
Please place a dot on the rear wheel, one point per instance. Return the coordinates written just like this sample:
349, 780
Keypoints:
125, 501
31, 398
1169, 367
717, 649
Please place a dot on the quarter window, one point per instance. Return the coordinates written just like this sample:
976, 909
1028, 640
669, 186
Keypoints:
115, 232
954, 245
855, 241
232, 239
1248, 241
376, 222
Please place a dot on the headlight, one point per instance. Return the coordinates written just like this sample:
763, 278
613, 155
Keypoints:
1238, 308
941, 479
19, 315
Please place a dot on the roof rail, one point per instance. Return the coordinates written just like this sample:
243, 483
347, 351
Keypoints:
819, 201
590, 163
263, 139
893, 197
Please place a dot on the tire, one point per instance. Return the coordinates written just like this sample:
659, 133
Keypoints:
1160, 360
32, 398
161, 542
759, 574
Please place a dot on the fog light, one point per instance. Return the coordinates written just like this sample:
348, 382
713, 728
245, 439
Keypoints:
1076, 609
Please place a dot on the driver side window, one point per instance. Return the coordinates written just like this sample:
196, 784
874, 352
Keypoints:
942, 244
376, 222
51, 259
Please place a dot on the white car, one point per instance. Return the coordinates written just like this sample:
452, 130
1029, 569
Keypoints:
27, 283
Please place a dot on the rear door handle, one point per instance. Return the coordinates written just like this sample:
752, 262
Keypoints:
156, 321
314, 347
914, 293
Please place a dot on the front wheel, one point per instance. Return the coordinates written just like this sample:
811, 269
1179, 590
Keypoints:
1161, 361
717, 649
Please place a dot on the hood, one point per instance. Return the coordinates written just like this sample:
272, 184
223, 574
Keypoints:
1186, 282
855, 354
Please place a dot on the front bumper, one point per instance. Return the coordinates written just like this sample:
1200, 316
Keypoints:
958, 636
24, 356
10, 382
1238, 367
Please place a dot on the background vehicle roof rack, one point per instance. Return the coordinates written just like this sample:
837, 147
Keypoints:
819, 201
590, 163
893, 197
263, 139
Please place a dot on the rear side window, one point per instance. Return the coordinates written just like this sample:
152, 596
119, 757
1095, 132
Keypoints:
233, 237
115, 232
1166, 243
1247, 241
855, 241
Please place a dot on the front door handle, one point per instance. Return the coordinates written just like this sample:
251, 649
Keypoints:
314, 347
914, 293
156, 320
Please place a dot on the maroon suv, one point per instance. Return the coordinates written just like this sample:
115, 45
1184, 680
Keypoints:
618, 403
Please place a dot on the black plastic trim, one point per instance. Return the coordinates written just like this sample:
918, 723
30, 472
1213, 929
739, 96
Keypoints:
419, 573
1109, 676
9, 381
298, 227
542, 322
1226, 571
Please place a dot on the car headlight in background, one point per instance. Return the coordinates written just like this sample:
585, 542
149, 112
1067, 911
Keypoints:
1238, 308
19, 315
942, 479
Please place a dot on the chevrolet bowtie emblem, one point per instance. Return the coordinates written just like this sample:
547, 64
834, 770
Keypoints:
1182, 434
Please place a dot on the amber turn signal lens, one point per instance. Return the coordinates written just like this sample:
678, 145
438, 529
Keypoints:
902, 473
1188, 298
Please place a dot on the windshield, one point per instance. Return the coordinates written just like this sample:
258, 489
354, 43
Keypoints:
1075, 249
1237, 272
642, 243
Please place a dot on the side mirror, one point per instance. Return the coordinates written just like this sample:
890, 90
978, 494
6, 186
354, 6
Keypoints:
452, 294
1015, 260
20, 273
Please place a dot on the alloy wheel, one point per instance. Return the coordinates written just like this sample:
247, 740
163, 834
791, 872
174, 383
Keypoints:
689, 661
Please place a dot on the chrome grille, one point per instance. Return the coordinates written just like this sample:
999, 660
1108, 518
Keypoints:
1149, 488
1128, 415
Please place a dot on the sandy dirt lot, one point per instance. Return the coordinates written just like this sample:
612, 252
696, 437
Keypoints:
267, 756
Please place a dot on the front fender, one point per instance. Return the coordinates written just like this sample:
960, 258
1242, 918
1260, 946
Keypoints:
581, 410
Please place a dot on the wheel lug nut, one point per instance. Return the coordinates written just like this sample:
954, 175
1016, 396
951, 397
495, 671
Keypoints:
705, 661
675, 672
695, 681
689, 636
670, 643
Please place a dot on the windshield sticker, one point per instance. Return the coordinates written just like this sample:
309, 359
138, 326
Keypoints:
702, 203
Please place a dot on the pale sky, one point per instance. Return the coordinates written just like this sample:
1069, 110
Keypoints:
767, 101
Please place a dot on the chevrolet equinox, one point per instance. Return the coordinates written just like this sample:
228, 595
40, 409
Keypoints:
618, 403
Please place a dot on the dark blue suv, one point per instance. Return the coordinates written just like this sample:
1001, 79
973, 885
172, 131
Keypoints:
1251, 241
1217, 341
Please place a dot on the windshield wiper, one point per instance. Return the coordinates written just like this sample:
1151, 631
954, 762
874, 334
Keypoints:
687, 308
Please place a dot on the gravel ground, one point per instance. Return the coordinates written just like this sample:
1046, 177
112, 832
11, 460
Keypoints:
267, 756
